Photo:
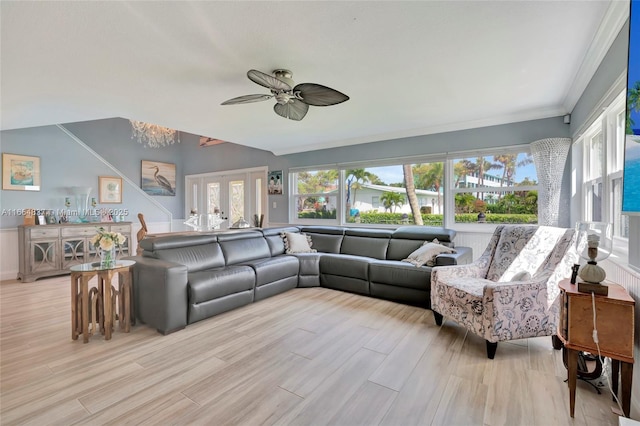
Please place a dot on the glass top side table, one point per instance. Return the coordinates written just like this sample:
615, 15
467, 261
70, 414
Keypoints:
100, 298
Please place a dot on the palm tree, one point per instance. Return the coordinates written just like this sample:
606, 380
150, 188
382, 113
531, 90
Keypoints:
430, 176
508, 164
411, 194
460, 170
633, 103
354, 179
391, 200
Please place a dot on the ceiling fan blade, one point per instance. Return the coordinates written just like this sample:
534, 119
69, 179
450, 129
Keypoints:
247, 99
266, 80
294, 109
319, 95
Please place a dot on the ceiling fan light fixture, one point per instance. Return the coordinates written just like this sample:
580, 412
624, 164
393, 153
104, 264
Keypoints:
285, 76
292, 100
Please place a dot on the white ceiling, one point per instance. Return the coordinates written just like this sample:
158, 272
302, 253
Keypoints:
410, 68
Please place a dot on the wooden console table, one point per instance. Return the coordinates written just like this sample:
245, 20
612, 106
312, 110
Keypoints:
102, 299
615, 325
48, 250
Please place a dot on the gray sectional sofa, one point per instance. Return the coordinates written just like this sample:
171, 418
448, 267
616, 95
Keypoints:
181, 279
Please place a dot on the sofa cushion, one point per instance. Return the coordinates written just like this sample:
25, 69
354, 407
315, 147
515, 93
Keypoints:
345, 265
366, 242
426, 254
401, 249
243, 247
400, 274
272, 269
326, 239
215, 283
274, 238
297, 243
522, 248
194, 257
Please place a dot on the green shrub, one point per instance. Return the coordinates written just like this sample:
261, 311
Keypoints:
498, 218
330, 214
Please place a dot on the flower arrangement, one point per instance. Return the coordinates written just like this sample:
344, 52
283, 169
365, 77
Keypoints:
107, 240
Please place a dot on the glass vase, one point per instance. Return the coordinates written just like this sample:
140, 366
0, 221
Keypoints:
108, 258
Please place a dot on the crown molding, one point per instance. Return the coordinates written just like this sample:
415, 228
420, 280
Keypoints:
614, 19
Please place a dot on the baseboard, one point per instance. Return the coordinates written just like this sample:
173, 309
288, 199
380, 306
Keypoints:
8, 275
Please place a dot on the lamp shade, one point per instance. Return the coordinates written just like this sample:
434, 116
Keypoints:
594, 240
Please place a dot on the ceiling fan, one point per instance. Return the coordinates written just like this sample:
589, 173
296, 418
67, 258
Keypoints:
293, 101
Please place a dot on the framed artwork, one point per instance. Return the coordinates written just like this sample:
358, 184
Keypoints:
20, 172
109, 189
158, 178
274, 182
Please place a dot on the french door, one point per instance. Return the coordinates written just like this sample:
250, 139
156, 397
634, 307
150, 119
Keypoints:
235, 195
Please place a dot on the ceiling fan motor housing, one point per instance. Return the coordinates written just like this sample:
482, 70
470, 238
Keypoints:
285, 76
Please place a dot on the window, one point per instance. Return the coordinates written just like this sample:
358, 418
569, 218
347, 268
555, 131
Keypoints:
377, 195
375, 202
502, 186
316, 194
602, 147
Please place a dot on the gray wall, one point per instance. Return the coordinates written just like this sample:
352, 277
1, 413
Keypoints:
612, 66
229, 156
521, 133
65, 163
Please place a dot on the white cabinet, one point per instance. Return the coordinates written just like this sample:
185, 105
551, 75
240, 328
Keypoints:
47, 250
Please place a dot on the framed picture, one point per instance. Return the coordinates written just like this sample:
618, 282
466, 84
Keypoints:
158, 178
274, 182
42, 219
20, 172
110, 189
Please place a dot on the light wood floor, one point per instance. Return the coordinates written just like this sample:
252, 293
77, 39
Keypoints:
308, 356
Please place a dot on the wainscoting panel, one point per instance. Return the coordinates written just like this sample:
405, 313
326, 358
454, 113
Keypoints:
629, 279
478, 241
8, 254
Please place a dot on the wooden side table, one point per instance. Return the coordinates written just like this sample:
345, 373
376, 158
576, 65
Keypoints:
102, 299
615, 325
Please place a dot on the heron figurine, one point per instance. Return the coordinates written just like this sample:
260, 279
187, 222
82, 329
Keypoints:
162, 181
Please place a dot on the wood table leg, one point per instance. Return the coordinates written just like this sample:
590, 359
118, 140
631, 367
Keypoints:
85, 308
74, 306
108, 301
627, 379
615, 374
125, 294
572, 360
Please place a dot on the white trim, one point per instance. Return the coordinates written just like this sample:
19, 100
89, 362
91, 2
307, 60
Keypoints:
607, 99
118, 172
228, 172
614, 19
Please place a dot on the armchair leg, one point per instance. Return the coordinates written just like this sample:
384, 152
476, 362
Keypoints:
437, 317
556, 342
491, 349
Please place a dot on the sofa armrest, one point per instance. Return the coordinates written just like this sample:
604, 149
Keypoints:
463, 255
160, 293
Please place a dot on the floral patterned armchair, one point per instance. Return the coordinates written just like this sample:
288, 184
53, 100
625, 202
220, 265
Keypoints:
511, 291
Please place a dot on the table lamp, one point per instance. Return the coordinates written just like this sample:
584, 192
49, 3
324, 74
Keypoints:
594, 242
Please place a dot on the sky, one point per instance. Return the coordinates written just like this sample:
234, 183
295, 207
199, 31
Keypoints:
393, 174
